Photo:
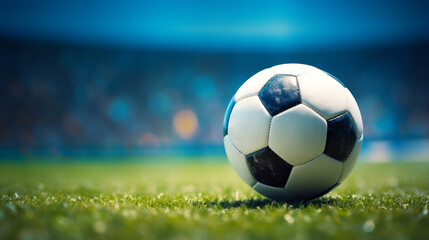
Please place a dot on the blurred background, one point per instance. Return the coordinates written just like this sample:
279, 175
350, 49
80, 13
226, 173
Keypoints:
115, 78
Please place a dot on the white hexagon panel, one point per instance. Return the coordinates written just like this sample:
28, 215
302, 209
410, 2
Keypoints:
322, 93
313, 178
248, 125
275, 193
298, 135
238, 162
253, 84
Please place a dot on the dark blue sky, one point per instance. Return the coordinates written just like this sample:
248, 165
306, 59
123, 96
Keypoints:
247, 25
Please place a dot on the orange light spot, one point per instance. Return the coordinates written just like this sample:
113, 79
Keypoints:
148, 139
185, 123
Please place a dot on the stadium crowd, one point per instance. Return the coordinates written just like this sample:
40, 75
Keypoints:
61, 97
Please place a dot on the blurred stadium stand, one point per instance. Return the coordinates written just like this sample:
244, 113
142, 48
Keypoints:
80, 98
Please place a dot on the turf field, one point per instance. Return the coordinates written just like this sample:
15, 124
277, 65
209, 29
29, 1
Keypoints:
203, 201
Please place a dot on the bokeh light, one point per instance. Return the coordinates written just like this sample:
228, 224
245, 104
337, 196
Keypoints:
204, 87
159, 104
114, 75
185, 123
118, 110
148, 139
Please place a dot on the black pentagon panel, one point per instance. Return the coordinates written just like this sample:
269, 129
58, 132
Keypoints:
227, 115
268, 168
341, 137
280, 93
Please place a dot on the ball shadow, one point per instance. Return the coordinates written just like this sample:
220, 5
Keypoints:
248, 203
317, 203
262, 202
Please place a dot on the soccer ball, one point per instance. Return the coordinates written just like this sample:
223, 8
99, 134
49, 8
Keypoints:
293, 132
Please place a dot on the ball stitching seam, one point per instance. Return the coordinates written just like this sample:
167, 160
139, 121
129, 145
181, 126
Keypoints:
247, 96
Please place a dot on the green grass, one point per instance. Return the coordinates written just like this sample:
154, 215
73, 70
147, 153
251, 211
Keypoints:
204, 201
